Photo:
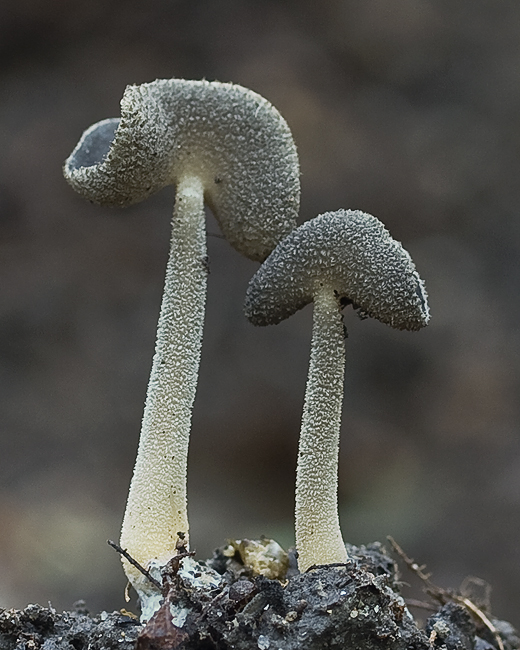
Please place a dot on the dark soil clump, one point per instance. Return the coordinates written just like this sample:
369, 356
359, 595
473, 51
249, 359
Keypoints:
356, 605
38, 627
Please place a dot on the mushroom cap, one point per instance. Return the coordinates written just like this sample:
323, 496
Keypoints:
231, 138
349, 253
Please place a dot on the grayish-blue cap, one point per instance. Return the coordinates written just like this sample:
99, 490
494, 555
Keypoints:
352, 255
229, 137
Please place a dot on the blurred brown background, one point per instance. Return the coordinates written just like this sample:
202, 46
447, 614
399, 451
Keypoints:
408, 109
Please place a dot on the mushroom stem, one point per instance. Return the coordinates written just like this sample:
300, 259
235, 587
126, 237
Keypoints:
156, 509
318, 534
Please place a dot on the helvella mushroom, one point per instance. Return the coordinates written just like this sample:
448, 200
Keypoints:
217, 143
336, 259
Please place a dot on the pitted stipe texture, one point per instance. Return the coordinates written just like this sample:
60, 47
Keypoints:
318, 533
232, 139
351, 254
157, 504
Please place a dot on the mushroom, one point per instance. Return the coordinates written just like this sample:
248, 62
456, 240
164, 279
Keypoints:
219, 143
338, 258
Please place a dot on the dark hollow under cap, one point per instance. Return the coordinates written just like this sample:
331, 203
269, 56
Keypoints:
232, 139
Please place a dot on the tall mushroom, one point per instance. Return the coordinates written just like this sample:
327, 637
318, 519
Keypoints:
338, 258
218, 143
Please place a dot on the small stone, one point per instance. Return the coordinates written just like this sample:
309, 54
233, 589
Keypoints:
240, 590
442, 629
229, 551
264, 557
263, 642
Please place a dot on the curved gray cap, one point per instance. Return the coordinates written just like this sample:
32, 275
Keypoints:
351, 254
232, 139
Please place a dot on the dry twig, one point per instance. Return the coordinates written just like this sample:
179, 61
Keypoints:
135, 563
444, 595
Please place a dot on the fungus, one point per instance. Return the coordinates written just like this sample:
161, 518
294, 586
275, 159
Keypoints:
218, 143
338, 258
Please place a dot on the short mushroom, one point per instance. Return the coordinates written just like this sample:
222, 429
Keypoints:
219, 143
336, 259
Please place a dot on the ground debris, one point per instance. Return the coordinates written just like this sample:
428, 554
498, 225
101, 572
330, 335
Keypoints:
38, 627
464, 620
354, 605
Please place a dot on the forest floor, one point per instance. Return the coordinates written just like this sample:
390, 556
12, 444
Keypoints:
356, 605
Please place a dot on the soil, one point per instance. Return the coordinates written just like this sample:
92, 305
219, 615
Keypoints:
357, 605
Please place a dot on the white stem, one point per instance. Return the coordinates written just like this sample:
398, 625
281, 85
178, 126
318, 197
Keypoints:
318, 535
156, 510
